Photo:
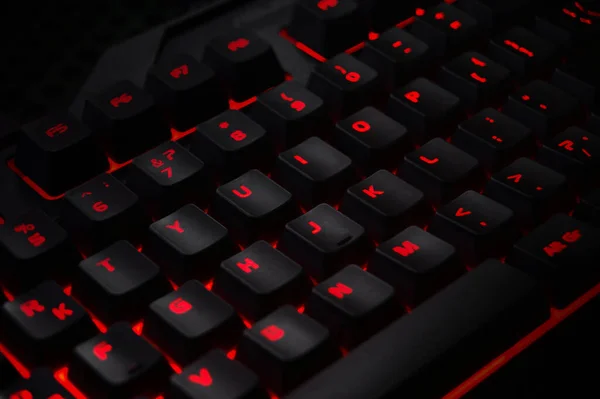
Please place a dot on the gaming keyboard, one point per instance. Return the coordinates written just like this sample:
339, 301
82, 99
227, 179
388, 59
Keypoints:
312, 199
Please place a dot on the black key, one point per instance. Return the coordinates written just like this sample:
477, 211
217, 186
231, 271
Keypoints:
118, 364
101, 211
245, 63
572, 22
441, 171
372, 139
563, 253
445, 339
232, 143
494, 139
124, 120
446, 29
543, 108
8, 374
493, 15
285, 348
353, 304
41, 384
476, 226
532, 191
188, 244
314, 172
397, 56
187, 90
323, 241
190, 321
58, 153
588, 208
168, 177
290, 114
259, 280
580, 78
385, 204
254, 207
345, 84
425, 109
43, 325
118, 283
215, 376
416, 263
593, 123
475, 79
328, 26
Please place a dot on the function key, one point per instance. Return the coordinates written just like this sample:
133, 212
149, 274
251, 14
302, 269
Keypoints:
8, 372
588, 208
580, 78
125, 121
494, 15
245, 63
41, 384
43, 325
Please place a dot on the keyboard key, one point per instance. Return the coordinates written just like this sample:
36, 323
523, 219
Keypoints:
245, 63
494, 15
41, 384
188, 91
58, 152
532, 191
383, 14
441, 171
470, 322
190, 321
259, 280
579, 77
588, 208
345, 84
188, 244
43, 325
118, 283
314, 172
593, 123
285, 348
124, 120
580, 26
353, 304
476, 226
425, 109
254, 207
563, 253
118, 364
8, 374
494, 139
215, 376
385, 204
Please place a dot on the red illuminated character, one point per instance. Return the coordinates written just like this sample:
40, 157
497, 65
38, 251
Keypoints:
371, 192
352, 77
61, 312
327, 4
238, 135
478, 62
31, 307
413, 96
57, 129
176, 226
554, 247
497, 139
340, 290
237, 44
202, 378
168, 171
24, 228
361, 126
296, 105
36, 239
157, 163
272, 333
397, 44
101, 350
180, 306
490, 120
315, 226
429, 161
224, 125
520, 49
516, 178
567, 145
455, 25
169, 154
407, 248
248, 265
181, 70
56, 396
100, 207
300, 159
478, 78
105, 263
246, 192
571, 236
439, 15
461, 213
22, 394
124, 98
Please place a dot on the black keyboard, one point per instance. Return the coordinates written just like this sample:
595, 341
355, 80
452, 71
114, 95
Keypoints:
312, 199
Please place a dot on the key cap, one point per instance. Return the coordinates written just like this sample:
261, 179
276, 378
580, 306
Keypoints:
232, 143
562, 253
168, 177
188, 91
588, 208
353, 304
385, 204
43, 325
124, 120
118, 283
580, 27
188, 244
475, 318
259, 280
118, 364
372, 139
323, 241
495, 15
254, 207
58, 153
345, 84
494, 139
34, 248
314, 172
579, 77
425, 109
475, 79
245, 63
285, 348
290, 114
441, 171
8, 374
328, 26
476, 226
593, 123
100, 212
416, 263
543, 108
532, 191
215, 376
190, 321
41, 384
